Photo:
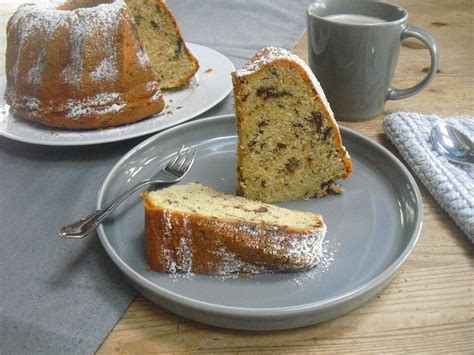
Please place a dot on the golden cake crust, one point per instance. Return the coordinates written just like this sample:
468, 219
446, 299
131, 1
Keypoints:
178, 241
78, 66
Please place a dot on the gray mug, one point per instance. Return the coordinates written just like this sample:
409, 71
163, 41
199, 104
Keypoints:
353, 49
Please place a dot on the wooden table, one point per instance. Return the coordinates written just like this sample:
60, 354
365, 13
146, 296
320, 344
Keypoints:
428, 307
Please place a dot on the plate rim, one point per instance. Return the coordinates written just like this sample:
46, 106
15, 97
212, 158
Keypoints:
257, 312
123, 137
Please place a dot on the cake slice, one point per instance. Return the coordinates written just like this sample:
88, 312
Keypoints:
171, 60
289, 144
193, 228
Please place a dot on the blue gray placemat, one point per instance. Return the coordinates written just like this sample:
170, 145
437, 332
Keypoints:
60, 296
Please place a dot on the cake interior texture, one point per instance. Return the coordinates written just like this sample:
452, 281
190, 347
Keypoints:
199, 199
172, 62
193, 228
289, 147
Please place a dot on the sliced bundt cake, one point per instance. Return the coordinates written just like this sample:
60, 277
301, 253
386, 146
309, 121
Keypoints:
192, 228
289, 144
78, 65
172, 62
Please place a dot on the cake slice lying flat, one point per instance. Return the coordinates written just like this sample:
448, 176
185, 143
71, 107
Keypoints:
171, 60
193, 228
289, 145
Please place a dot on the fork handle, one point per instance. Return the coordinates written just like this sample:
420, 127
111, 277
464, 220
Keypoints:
84, 226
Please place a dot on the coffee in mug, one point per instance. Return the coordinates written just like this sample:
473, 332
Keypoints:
353, 49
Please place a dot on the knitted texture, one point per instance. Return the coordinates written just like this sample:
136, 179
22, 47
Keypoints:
451, 184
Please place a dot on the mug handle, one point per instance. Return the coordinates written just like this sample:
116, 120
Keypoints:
425, 37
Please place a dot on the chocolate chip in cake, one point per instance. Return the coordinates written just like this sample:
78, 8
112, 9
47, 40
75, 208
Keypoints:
261, 210
252, 143
154, 24
281, 145
326, 184
263, 183
269, 92
327, 132
292, 165
331, 191
262, 123
179, 45
138, 19
274, 72
317, 119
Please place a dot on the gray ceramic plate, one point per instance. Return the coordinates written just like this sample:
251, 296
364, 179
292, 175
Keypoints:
372, 229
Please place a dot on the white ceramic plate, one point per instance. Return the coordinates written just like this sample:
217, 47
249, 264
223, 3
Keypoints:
211, 84
372, 228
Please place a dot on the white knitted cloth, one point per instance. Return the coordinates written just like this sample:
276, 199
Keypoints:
451, 184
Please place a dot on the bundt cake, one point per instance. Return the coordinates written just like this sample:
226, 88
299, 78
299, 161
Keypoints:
289, 145
193, 228
78, 65
171, 60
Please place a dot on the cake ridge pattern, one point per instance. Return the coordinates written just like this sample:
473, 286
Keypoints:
47, 18
98, 43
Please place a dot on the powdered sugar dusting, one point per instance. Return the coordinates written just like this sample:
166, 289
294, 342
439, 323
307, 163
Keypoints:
152, 86
34, 74
297, 252
32, 103
270, 54
29, 102
44, 19
105, 70
83, 23
99, 104
143, 58
34, 20
323, 264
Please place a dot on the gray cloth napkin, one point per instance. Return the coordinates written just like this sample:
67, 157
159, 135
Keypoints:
451, 184
62, 296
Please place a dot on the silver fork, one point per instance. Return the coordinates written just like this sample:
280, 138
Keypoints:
177, 167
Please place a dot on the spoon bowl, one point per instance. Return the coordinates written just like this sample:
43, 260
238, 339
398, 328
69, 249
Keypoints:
453, 144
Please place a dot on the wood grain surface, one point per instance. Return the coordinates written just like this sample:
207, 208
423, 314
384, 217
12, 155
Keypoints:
428, 307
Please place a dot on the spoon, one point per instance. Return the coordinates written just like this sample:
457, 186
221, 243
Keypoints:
453, 144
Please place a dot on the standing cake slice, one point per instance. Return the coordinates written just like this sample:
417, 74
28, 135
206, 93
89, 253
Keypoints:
172, 62
289, 144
